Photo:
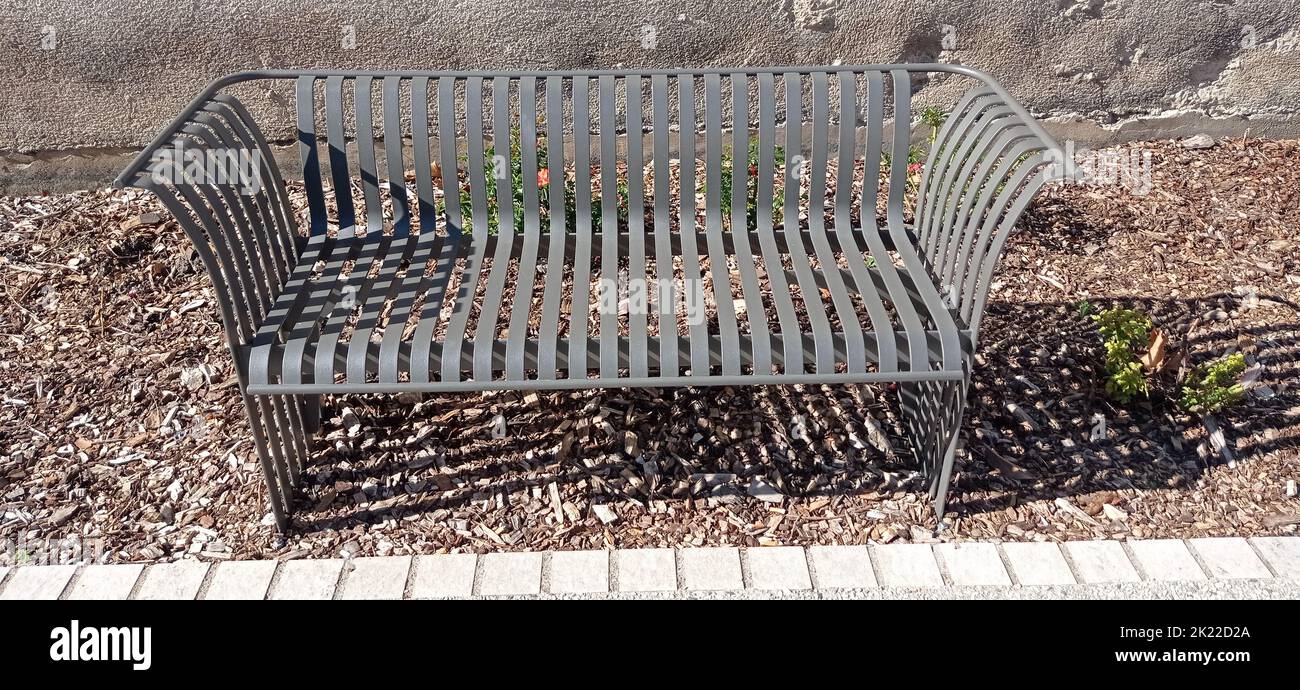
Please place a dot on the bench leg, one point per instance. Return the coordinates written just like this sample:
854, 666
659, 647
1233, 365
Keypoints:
932, 413
279, 426
310, 412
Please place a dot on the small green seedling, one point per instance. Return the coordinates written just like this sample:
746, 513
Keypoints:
1214, 386
1125, 334
934, 118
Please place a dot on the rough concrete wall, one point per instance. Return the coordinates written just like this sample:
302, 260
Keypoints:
1104, 69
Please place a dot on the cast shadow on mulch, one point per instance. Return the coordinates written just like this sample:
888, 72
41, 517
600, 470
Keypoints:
1042, 359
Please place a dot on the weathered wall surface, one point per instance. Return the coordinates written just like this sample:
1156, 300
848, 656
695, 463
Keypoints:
109, 74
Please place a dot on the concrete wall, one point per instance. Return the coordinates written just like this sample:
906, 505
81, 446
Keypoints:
114, 71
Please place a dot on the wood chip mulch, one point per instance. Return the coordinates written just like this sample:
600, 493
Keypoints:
120, 419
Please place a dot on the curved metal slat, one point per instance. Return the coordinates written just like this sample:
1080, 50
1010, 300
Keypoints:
761, 344
609, 281
582, 231
453, 341
719, 271
363, 98
823, 352
528, 258
665, 279
692, 281
338, 148
548, 328
503, 165
637, 318
791, 351
305, 101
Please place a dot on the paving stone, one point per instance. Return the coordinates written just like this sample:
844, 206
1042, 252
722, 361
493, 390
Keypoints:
646, 570
510, 573
179, 580
106, 582
973, 563
574, 572
778, 567
1038, 563
711, 568
842, 567
1282, 553
907, 565
307, 579
1100, 561
1166, 559
378, 577
444, 575
1229, 558
37, 582
241, 580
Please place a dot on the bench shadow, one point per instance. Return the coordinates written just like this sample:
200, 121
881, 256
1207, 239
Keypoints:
1027, 433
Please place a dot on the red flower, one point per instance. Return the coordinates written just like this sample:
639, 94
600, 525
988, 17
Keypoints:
543, 177
914, 168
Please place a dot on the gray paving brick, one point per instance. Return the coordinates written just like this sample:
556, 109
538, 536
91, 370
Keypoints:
106, 582
37, 582
646, 570
778, 567
1038, 563
241, 580
444, 575
711, 568
842, 567
575, 572
510, 573
1100, 561
379, 577
1229, 558
1282, 553
907, 565
1166, 559
307, 579
179, 580
973, 563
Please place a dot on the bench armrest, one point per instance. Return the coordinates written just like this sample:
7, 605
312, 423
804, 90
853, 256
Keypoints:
987, 162
215, 173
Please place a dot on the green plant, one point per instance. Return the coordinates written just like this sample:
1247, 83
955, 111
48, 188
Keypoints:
751, 185
934, 118
1213, 386
1085, 308
1125, 334
514, 172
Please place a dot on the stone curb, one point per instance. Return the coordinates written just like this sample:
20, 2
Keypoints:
670, 572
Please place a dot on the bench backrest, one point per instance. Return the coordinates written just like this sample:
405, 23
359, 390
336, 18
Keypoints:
767, 140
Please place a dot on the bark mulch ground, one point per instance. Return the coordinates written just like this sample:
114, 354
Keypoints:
120, 419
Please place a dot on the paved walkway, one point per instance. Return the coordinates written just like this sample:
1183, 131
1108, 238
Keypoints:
1217, 567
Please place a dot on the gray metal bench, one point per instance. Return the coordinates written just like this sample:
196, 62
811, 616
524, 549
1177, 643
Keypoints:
808, 275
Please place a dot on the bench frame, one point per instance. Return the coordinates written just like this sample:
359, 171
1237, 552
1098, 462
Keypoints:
987, 161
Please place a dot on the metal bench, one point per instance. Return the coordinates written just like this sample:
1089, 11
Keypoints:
433, 257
